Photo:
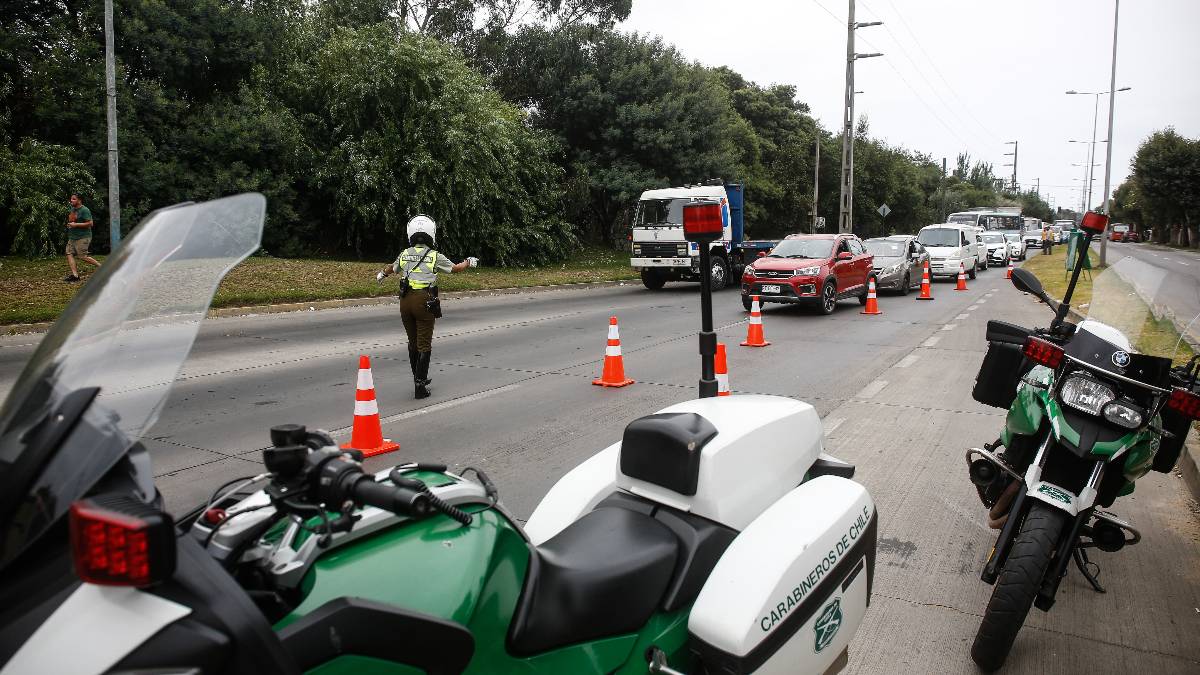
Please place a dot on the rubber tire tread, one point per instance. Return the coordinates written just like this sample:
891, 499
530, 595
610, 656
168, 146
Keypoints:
653, 281
1018, 585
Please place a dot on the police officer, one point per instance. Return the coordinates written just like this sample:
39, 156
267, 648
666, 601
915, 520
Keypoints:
418, 266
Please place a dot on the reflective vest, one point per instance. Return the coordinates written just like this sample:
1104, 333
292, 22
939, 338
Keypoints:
419, 263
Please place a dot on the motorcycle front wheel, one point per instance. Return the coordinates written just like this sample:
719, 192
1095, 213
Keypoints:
1018, 585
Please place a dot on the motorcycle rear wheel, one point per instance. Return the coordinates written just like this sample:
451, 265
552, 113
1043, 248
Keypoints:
1017, 585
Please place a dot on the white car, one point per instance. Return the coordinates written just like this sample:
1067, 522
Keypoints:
998, 252
951, 247
1016, 245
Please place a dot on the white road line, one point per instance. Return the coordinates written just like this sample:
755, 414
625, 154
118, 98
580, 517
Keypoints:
1181, 262
973, 307
831, 424
449, 404
870, 390
960, 317
930, 342
981, 301
907, 361
950, 326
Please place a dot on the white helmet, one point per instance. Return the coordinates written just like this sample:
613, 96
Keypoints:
422, 223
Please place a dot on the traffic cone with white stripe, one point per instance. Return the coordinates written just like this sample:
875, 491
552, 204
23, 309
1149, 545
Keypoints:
367, 435
1008, 274
754, 333
614, 365
872, 299
925, 284
721, 366
962, 278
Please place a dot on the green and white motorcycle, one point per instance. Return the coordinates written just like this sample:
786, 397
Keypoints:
1087, 417
716, 536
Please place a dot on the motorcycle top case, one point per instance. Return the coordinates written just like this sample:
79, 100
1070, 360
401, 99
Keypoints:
791, 590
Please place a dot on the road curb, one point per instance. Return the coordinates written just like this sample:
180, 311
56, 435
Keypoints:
1188, 465
314, 305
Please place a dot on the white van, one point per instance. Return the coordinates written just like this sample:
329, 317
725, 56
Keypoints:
950, 246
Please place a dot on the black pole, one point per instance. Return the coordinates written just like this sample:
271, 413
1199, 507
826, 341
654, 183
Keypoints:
1064, 307
708, 339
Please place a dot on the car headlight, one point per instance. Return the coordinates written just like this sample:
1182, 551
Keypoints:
1124, 414
808, 271
1086, 394
891, 270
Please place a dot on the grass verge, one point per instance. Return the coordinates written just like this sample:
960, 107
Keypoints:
1155, 336
33, 290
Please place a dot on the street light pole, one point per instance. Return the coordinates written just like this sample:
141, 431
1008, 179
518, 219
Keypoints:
816, 176
110, 85
1112, 100
846, 210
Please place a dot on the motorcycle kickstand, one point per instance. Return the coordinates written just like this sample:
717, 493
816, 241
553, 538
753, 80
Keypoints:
1082, 562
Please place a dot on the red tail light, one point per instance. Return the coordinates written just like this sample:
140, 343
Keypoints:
702, 221
1095, 222
119, 541
1185, 403
1046, 353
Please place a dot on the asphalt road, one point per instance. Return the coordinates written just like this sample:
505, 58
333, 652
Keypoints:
512, 394
1168, 277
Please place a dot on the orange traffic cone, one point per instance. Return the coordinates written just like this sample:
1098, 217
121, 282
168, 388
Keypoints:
614, 366
367, 435
925, 284
872, 300
754, 334
722, 370
962, 278
1008, 273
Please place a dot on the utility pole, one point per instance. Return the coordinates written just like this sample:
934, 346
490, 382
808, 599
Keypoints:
846, 213
816, 176
1013, 154
943, 186
110, 83
1112, 100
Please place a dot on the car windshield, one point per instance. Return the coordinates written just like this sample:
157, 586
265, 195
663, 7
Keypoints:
802, 248
1013, 237
125, 336
660, 212
941, 236
883, 248
994, 238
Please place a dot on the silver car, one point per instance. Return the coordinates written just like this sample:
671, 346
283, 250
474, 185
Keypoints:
899, 260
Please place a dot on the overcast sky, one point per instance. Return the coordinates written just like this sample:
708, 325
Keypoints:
965, 74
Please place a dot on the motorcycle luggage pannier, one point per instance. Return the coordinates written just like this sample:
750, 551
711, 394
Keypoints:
789, 593
1003, 365
1168, 450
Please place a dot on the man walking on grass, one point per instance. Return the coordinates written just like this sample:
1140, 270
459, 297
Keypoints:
79, 237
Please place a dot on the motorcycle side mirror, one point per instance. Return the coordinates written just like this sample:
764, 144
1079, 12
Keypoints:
1026, 282
762, 254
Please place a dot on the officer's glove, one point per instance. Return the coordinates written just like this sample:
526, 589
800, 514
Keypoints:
379, 276
473, 262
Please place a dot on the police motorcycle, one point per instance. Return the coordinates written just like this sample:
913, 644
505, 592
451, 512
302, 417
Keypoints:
715, 536
1087, 417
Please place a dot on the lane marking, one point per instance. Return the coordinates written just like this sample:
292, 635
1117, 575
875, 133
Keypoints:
981, 301
831, 424
907, 361
973, 307
960, 317
930, 342
950, 326
449, 404
870, 390
1180, 262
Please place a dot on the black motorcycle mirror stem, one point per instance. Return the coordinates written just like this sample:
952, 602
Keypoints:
702, 224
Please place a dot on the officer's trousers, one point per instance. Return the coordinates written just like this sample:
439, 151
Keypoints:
418, 321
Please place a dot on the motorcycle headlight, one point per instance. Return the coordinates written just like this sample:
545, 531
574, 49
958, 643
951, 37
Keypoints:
808, 271
1086, 394
1123, 414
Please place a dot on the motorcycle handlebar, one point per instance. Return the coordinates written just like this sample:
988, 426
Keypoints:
398, 500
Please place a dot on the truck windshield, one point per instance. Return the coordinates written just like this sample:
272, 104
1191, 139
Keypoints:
803, 248
660, 212
942, 236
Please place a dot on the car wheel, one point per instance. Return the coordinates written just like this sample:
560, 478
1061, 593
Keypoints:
720, 273
747, 303
907, 286
828, 298
862, 299
653, 280
972, 273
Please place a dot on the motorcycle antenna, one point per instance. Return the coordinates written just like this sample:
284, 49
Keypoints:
1091, 224
703, 224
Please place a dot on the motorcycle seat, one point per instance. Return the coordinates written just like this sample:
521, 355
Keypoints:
604, 575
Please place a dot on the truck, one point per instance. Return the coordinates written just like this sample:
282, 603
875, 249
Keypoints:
660, 252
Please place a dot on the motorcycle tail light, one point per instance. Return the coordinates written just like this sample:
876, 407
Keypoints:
702, 221
1045, 353
1185, 403
118, 541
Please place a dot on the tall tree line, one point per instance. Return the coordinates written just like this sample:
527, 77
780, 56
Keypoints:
1163, 189
524, 126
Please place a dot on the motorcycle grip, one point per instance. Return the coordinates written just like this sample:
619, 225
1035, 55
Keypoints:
398, 500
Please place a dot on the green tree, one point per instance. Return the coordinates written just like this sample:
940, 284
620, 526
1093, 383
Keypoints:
1166, 171
35, 181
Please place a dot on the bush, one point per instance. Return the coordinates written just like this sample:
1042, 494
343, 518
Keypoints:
35, 181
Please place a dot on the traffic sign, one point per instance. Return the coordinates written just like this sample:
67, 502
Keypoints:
820, 225
884, 210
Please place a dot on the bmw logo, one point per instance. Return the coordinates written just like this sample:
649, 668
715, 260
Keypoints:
1120, 359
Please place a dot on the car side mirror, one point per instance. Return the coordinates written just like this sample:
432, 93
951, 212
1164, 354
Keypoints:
845, 255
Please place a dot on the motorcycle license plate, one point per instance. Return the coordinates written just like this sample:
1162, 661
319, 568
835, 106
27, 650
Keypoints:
770, 288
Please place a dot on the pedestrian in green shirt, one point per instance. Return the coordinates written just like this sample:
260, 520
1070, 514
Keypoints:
79, 237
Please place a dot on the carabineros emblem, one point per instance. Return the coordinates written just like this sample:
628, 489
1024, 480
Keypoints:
828, 623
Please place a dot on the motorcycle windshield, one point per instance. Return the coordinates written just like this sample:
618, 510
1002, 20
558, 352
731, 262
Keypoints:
1129, 329
127, 334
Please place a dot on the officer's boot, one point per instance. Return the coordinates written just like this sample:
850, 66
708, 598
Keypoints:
419, 379
412, 359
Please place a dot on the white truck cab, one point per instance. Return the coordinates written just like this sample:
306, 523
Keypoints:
659, 249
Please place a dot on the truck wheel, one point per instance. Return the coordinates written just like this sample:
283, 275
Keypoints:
1017, 586
720, 273
653, 280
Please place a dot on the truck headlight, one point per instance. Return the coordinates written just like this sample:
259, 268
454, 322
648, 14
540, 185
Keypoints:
808, 271
1124, 414
682, 250
1086, 394
637, 250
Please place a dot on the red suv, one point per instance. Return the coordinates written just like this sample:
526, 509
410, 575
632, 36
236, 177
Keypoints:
817, 269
